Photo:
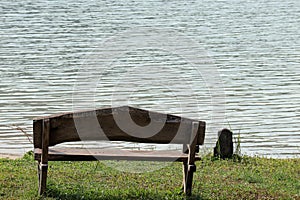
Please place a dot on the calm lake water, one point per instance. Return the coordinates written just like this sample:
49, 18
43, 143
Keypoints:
253, 46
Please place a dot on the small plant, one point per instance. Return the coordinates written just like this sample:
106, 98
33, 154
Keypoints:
237, 141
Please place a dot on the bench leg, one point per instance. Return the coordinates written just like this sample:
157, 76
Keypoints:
42, 175
189, 179
184, 172
38, 173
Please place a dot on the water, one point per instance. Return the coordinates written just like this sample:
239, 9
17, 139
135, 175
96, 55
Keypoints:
254, 45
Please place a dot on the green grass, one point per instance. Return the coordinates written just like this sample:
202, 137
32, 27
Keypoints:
243, 178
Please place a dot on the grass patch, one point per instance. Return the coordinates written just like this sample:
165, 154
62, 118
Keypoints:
243, 178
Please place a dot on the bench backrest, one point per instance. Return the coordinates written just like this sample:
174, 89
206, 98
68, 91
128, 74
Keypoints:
102, 125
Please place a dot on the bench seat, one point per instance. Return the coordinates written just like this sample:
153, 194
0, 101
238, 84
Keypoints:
81, 154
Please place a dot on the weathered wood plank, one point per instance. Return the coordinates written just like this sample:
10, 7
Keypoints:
101, 125
191, 167
45, 140
73, 154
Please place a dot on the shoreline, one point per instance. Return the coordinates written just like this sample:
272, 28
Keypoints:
17, 156
10, 156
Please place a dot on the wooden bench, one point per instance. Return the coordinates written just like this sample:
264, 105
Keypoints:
103, 124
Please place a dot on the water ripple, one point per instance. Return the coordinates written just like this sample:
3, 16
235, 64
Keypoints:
254, 44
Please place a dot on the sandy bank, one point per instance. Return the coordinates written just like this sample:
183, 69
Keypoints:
11, 156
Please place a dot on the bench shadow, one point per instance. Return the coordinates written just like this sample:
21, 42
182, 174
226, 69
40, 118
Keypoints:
55, 193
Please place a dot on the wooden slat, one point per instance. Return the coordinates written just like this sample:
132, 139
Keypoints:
86, 126
191, 159
193, 143
73, 154
37, 133
45, 140
201, 132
